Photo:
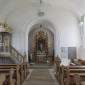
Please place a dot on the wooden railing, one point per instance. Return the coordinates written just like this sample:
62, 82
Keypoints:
13, 52
16, 54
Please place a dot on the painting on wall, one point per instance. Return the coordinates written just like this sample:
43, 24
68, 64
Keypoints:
68, 52
64, 52
72, 53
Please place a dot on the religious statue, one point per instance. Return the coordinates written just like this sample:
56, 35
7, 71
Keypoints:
6, 41
41, 47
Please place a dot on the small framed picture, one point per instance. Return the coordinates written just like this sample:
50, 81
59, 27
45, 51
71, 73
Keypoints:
64, 52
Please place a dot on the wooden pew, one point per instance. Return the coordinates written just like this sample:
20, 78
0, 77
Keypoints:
73, 69
9, 80
2, 78
78, 79
25, 69
16, 72
62, 76
58, 69
70, 75
22, 70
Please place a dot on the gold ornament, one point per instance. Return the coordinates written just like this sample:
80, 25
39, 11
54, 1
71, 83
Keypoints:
57, 59
39, 37
6, 27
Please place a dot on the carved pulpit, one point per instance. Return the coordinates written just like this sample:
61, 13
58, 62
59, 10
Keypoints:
5, 37
41, 45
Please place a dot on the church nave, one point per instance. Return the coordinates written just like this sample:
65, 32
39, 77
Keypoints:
42, 42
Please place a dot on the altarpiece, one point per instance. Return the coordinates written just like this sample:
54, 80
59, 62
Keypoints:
41, 45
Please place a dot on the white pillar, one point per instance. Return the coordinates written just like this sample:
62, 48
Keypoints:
84, 32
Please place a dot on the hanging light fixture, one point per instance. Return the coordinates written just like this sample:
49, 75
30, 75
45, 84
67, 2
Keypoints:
40, 13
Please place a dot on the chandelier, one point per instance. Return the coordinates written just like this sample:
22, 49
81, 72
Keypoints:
40, 13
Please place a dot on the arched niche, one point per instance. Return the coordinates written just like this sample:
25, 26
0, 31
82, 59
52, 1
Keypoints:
31, 38
50, 26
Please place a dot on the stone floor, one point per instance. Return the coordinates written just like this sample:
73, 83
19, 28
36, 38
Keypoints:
41, 77
44, 64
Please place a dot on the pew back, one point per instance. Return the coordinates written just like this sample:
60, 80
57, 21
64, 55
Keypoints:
67, 72
20, 71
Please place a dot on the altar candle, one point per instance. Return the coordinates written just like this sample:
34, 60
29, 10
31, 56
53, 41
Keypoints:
30, 56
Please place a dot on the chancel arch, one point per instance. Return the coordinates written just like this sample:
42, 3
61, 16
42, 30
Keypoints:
53, 28
41, 43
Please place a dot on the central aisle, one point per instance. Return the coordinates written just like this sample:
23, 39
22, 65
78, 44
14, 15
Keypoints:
40, 77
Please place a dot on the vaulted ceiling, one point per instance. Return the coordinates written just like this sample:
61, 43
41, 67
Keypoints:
79, 5
19, 9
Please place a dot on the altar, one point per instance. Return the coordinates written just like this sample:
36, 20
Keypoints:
41, 58
41, 46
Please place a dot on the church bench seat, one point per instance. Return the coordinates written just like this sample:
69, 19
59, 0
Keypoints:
73, 69
78, 79
7, 76
21, 70
65, 73
60, 71
16, 74
71, 77
23, 65
2, 78
25, 69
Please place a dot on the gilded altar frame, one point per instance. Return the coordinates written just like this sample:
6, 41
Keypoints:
41, 43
